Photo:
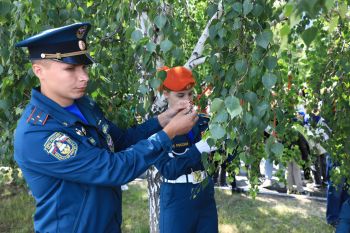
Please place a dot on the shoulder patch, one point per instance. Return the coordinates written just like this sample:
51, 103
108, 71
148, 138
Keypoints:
37, 117
60, 146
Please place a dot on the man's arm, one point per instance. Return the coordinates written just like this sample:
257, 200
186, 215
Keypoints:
124, 138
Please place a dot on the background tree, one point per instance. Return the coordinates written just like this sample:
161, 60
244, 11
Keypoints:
258, 56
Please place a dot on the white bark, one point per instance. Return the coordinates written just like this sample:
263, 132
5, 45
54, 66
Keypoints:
198, 49
198, 61
153, 186
153, 176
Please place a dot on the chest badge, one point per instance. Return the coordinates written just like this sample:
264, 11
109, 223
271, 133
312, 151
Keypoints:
60, 146
109, 140
80, 132
105, 128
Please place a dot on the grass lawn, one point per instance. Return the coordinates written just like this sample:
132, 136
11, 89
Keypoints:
237, 213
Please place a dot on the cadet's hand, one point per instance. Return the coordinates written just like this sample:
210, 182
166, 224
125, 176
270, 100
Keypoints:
181, 123
166, 116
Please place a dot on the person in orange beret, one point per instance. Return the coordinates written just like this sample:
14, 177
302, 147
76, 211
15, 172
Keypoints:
182, 209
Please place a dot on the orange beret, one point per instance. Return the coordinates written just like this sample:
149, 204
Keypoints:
178, 78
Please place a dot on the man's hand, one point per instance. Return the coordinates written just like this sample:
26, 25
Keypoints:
181, 123
165, 117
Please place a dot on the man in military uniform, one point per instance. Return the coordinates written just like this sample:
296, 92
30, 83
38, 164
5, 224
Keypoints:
74, 159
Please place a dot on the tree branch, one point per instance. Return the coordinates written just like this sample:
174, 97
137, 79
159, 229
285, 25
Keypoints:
198, 49
199, 60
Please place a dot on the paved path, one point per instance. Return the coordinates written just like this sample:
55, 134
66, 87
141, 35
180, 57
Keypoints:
276, 190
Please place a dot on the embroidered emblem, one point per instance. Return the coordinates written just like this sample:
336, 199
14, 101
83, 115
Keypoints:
60, 146
81, 32
110, 142
82, 45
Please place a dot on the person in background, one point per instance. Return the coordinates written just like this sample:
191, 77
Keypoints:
187, 203
73, 158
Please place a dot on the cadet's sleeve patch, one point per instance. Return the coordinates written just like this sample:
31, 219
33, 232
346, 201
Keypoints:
60, 146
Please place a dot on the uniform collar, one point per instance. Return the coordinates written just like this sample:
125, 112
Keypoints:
55, 110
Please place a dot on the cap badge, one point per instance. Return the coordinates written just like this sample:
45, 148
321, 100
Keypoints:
82, 45
81, 32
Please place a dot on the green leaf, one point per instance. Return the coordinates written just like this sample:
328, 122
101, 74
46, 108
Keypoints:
237, 24
343, 8
166, 45
216, 105
178, 53
151, 47
309, 35
251, 97
288, 9
1, 69
237, 6
241, 66
329, 4
5, 8
270, 62
333, 24
311, 3
277, 148
213, 31
258, 10
233, 106
261, 109
264, 38
285, 30
221, 117
294, 19
247, 7
269, 80
136, 35
161, 75
217, 157
217, 131
143, 89
160, 21
155, 83
3, 104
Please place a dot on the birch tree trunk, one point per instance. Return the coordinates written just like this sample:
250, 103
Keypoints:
153, 176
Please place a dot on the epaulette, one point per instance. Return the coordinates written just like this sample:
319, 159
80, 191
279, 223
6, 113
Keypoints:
37, 117
204, 115
203, 119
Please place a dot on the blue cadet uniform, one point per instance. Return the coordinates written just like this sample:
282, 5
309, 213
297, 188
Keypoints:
344, 218
75, 160
186, 204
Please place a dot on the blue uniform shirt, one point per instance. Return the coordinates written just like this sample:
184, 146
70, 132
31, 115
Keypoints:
187, 158
75, 170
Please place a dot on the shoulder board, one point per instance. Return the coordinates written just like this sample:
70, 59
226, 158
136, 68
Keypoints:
37, 116
204, 115
203, 119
